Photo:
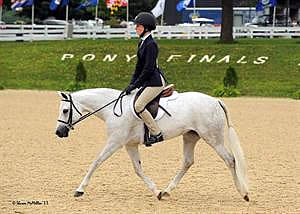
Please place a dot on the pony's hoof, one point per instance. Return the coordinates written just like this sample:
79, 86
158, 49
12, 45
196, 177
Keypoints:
246, 198
78, 194
159, 196
162, 194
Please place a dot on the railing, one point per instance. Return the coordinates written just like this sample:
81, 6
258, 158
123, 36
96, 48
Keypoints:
29, 32
60, 32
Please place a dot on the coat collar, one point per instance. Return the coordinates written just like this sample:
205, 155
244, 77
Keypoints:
144, 39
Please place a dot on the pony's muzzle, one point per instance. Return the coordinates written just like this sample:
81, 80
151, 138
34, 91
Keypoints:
62, 131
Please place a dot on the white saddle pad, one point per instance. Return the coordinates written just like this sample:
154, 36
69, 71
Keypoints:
163, 102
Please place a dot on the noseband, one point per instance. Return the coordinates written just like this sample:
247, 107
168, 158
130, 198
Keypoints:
70, 123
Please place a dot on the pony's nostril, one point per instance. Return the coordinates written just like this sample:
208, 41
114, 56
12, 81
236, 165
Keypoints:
58, 133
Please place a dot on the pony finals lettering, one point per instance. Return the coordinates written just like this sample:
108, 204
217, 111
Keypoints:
192, 58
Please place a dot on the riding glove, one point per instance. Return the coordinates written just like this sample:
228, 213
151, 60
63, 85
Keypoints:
129, 89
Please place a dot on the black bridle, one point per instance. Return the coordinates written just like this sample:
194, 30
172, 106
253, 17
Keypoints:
70, 123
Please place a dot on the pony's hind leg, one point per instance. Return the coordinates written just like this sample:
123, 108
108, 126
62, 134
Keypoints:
217, 142
134, 155
189, 141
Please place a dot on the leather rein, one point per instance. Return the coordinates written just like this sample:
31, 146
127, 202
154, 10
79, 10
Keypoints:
70, 122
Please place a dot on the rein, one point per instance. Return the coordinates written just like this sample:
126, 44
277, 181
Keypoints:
71, 124
122, 94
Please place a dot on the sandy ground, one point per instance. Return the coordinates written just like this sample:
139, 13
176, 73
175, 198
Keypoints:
37, 167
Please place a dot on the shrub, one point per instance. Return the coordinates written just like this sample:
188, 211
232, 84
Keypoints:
113, 22
222, 91
2, 86
296, 95
229, 85
10, 17
80, 79
230, 79
80, 73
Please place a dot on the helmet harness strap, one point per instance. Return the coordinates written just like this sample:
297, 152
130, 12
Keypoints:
145, 31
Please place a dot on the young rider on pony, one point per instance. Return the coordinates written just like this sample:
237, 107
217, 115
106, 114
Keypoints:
147, 75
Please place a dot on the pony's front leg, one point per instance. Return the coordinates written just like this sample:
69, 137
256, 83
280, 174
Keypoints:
109, 149
133, 153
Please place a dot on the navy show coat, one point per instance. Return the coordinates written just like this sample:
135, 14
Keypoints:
147, 72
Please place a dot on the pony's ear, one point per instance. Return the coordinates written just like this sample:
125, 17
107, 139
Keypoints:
62, 95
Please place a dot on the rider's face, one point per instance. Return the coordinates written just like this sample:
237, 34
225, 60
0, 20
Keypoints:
139, 29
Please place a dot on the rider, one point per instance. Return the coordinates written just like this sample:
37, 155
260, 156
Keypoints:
147, 75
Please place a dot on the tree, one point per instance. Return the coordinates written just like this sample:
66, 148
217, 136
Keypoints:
227, 21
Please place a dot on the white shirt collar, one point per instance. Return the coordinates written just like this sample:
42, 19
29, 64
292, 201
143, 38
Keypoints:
145, 37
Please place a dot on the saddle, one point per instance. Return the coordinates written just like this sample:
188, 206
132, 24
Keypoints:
154, 105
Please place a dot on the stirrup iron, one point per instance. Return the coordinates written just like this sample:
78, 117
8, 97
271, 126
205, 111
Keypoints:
152, 139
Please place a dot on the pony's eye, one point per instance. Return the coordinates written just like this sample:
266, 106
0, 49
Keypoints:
65, 111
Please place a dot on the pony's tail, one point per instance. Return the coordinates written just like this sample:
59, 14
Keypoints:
237, 152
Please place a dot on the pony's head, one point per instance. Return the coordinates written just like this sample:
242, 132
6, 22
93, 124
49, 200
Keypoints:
68, 114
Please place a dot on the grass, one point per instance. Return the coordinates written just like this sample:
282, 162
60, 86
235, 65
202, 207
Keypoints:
38, 65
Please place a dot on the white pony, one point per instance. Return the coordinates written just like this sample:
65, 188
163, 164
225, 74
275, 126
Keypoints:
194, 115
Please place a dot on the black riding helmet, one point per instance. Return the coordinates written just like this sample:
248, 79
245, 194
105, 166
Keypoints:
147, 20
